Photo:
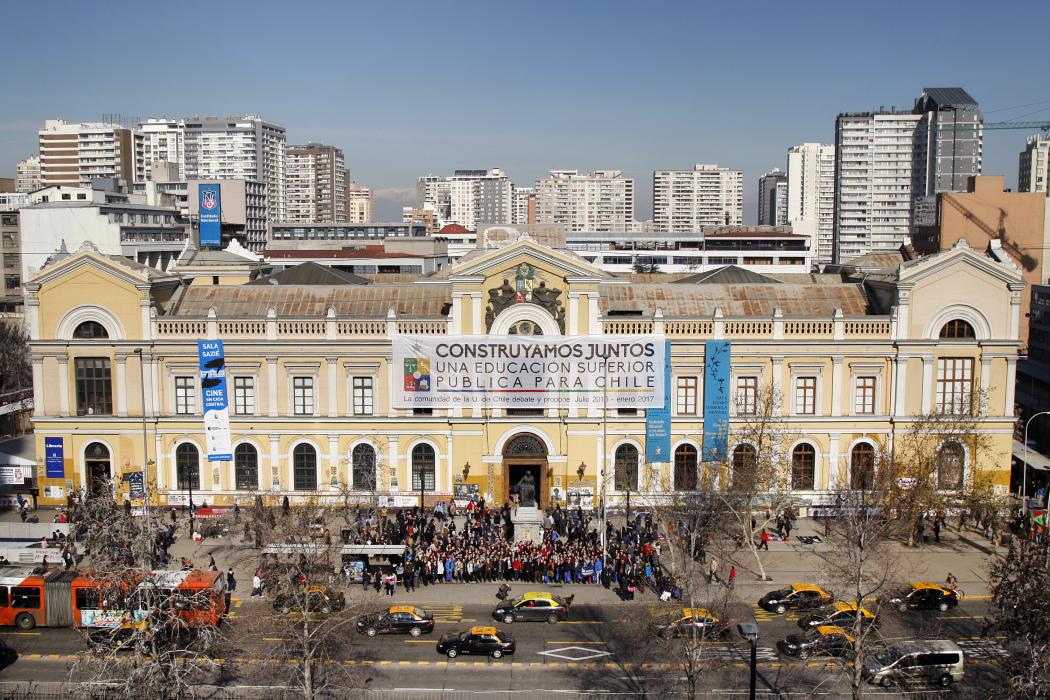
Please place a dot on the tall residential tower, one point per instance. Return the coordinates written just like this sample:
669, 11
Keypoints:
598, 201
707, 195
315, 184
811, 196
772, 198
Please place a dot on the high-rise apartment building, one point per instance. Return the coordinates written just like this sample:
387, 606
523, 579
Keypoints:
523, 206
707, 195
811, 196
1033, 165
359, 204
873, 181
76, 154
163, 140
27, 175
467, 197
315, 184
239, 148
598, 201
948, 148
772, 198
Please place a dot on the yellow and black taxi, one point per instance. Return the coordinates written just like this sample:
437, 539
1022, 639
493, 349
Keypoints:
926, 596
398, 619
487, 641
690, 621
799, 596
840, 614
315, 599
533, 607
826, 640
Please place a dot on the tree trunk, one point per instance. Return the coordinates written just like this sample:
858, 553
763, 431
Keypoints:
749, 538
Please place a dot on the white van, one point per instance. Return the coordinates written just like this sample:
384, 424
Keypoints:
922, 661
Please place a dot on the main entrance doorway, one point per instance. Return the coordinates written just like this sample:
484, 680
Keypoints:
97, 466
525, 454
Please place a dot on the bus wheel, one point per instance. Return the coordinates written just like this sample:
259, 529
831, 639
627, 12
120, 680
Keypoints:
25, 621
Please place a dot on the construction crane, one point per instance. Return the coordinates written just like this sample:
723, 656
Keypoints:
992, 126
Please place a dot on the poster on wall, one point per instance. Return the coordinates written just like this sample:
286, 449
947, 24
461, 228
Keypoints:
54, 459
658, 420
581, 497
216, 407
716, 400
528, 371
465, 493
136, 488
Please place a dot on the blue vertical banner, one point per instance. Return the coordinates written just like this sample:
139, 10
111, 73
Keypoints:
216, 406
54, 458
210, 210
716, 400
658, 420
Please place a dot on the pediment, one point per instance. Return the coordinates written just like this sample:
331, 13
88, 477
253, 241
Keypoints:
91, 260
562, 264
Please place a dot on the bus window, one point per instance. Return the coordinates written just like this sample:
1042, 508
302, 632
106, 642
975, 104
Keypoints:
3, 596
25, 597
87, 598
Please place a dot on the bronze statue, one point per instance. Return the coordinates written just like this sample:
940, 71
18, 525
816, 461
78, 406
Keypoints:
527, 491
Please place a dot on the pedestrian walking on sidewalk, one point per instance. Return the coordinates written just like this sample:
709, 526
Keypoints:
732, 577
712, 570
764, 540
257, 585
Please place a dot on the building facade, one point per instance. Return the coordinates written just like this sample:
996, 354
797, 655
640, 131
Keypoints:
467, 197
163, 141
73, 155
523, 206
11, 237
27, 175
873, 182
772, 198
707, 195
359, 205
811, 195
315, 415
315, 184
949, 147
598, 201
1034, 165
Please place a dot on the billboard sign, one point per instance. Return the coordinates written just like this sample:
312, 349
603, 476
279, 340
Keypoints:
54, 458
716, 400
528, 371
658, 420
210, 216
216, 407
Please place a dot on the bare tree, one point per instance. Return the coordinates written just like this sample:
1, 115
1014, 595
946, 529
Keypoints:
16, 373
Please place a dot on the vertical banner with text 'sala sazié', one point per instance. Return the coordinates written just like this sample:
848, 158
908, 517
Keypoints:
216, 406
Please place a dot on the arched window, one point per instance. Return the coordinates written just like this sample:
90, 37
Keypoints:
950, 463
90, 330
803, 467
423, 468
745, 462
188, 466
246, 467
957, 328
625, 468
861, 466
525, 327
685, 468
304, 467
363, 465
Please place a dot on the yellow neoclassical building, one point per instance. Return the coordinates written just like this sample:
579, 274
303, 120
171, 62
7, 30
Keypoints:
312, 386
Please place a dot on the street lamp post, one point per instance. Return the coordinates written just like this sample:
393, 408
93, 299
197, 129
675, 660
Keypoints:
1024, 467
749, 631
145, 448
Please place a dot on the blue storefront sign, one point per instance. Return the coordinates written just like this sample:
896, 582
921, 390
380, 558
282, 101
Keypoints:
716, 400
658, 420
210, 216
216, 407
54, 458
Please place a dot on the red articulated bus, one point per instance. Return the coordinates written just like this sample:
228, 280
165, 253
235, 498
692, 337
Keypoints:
57, 598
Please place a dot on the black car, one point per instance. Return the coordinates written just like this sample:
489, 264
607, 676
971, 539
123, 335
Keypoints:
800, 596
840, 614
317, 599
826, 640
488, 641
926, 596
684, 622
533, 607
399, 619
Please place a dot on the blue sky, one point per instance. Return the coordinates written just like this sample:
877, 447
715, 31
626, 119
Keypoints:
408, 89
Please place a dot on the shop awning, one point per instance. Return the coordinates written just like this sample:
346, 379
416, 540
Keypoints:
1036, 460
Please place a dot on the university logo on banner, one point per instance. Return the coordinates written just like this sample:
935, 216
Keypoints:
417, 374
208, 200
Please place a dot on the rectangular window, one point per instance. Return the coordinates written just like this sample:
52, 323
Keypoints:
86, 598
747, 396
94, 386
303, 396
185, 395
805, 396
954, 385
686, 396
363, 396
25, 597
864, 396
244, 396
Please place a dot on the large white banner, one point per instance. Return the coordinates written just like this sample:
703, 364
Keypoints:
528, 371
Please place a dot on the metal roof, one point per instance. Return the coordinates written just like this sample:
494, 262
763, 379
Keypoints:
309, 274
950, 97
369, 301
730, 274
700, 301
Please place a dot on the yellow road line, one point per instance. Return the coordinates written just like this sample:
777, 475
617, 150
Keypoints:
24, 634
419, 641
581, 622
575, 642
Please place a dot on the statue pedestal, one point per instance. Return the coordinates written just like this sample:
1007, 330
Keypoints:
528, 523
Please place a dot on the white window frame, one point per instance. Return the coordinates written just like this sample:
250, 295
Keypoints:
310, 410
739, 384
686, 405
957, 402
237, 408
367, 404
806, 406
864, 404
185, 394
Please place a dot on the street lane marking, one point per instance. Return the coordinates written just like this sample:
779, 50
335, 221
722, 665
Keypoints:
419, 641
962, 617
575, 642
25, 634
582, 622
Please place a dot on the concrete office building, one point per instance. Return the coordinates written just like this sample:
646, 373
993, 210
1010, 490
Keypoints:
359, 204
1034, 165
315, 184
598, 201
707, 195
239, 148
163, 140
772, 198
811, 196
74, 154
467, 196
11, 237
873, 181
523, 206
948, 150
428, 216
27, 175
